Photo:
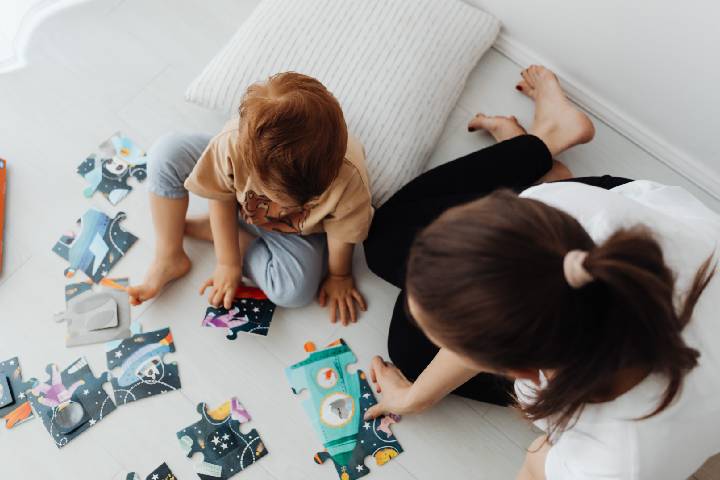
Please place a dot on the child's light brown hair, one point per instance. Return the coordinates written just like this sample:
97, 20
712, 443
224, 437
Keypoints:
294, 135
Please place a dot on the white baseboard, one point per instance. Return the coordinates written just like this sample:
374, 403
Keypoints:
679, 161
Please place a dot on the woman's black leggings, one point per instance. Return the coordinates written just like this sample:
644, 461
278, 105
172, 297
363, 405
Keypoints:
516, 164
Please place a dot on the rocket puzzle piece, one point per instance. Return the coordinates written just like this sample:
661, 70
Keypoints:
14, 406
95, 245
96, 316
217, 436
337, 403
163, 472
142, 370
108, 169
251, 312
70, 402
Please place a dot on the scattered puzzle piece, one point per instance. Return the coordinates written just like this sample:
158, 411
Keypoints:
108, 169
217, 436
142, 370
337, 403
96, 315
95, 245
14, 406
163, 472
70, 402
251, 312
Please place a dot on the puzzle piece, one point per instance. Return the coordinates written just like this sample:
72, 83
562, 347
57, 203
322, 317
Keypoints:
96, 245
217, 436
70, 402
96, 316
143, 372
251, 312
14, 407
337, 403
108, 169
163, 472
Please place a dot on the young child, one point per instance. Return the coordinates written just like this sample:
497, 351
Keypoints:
299, 183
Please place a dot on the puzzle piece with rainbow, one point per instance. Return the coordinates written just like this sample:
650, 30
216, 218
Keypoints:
14, 406
337, 403
95, 244
108, 169
70, 401
251, 312
225, 450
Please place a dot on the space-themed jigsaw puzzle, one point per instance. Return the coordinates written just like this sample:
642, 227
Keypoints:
162, 472
140, 365
96, 314
95, 245
14, 406
70, 401
251, 312
108, 169
225, 450
337, 403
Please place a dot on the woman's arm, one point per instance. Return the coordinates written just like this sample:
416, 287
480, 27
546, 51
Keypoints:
445, 373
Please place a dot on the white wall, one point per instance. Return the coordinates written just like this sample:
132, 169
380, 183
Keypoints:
654, 62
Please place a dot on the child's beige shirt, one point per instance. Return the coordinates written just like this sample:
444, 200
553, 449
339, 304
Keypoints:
343, 211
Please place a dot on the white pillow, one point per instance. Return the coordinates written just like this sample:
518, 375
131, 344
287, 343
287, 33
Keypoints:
396, 66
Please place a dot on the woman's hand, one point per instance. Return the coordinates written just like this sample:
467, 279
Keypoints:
395, 388
340, 294
224, 282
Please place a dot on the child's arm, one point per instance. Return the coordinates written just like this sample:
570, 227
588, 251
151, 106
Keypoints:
228, 270
338, 290
445, 373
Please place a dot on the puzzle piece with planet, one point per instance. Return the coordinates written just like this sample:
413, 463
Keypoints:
337, 403
14, 406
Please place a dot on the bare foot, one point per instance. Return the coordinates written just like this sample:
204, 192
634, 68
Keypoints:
199, 227
558, 122
161, 272
501, 128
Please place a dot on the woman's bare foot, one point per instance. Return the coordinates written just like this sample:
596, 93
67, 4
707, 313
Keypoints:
558, 122
501, 128
199, 227
161, 272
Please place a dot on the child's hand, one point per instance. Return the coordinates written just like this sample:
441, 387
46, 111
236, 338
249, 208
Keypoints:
224, 282
339, 292
395, 389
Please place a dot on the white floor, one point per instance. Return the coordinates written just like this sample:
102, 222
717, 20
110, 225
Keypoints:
123, 65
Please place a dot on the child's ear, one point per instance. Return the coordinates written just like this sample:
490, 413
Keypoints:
526, 374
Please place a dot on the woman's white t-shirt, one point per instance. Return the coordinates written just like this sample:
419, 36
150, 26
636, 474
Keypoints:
608, 442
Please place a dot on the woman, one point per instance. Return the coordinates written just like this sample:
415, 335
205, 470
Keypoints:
561, 290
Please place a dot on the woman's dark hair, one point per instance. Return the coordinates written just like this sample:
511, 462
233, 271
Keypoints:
488, 277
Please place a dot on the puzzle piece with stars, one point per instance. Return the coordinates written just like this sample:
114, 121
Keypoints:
70, 401
95, 244
14, 406
163, 472
140, 365
225, 450
251, 312
108, 169
337, 403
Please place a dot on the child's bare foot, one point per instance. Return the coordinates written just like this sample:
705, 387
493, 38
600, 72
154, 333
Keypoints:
161, 272
199, 227
558, 122
501, 128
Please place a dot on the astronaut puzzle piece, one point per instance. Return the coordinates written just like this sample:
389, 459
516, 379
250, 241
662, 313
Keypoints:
337, 403
70, 402
95, 245
251, 312
141, 369
217, 437
108, 169
96, 315
163, 472
14, 406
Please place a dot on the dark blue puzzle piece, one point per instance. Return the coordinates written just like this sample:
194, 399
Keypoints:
143, 371
163, 472
217, 436
14, 406
251, 312
70, 402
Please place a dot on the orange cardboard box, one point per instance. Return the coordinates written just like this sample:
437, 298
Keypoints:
3, 177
